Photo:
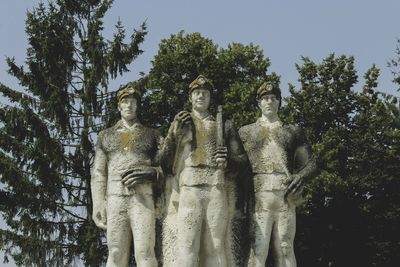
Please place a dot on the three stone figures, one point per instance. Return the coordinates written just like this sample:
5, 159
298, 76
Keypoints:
201, 164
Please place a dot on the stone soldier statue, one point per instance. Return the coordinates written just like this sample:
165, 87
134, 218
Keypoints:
122, 184
203, 216
281, 162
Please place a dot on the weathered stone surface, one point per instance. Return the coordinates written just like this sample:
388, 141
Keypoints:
281, 162
122, 185
202, 200
208, 216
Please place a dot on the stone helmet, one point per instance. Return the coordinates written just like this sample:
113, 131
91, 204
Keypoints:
129, 90
201, 82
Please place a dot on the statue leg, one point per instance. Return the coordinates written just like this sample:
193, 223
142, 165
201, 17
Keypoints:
262, 224
190, 218
142, 214
214, 232
283, 235
233, 246
119, 235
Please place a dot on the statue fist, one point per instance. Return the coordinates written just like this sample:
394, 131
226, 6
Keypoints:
181, 119
100, 217
295, 187
221, 156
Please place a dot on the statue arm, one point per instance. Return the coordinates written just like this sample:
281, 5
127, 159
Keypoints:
169, 149
99, 185
308, 166
305, 165
166, 152
156, 163
237, 157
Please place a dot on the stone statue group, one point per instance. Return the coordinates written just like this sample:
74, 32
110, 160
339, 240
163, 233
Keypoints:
222, 197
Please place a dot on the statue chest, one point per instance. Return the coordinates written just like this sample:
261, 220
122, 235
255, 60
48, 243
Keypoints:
268, 148
130, 141
205, 143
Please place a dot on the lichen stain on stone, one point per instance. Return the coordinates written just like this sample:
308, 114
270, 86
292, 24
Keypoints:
264, 135
125, 140
201, 138
205, 139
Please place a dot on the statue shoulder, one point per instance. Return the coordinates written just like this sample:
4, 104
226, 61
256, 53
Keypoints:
104, 135
150, 134
292, 129
295, 134
150, 130
109, 133
231, 131
229, 126
155, 133
247, 130
105, 132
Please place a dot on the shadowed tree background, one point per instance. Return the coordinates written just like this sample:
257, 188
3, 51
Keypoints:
352, 212
47, 133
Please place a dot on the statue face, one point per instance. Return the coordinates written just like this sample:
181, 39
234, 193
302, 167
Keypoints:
127, 107
200, 99
269, 104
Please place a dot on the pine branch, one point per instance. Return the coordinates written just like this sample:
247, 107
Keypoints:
61, 206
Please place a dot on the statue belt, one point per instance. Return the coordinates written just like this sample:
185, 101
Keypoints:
199, 174
270, 181
202, 166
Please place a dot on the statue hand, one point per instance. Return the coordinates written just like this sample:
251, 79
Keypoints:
221, 156
100, 217
181, 119
295, 186
138, 175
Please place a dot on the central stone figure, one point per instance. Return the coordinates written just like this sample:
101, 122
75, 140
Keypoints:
200, 163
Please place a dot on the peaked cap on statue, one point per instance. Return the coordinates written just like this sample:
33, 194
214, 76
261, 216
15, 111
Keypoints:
129, 90
201, 82
268, 88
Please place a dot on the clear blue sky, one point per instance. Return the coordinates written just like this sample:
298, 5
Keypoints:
284, 29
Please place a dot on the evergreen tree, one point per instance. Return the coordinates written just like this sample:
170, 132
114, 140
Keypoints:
394, 105
394, 65
46, 133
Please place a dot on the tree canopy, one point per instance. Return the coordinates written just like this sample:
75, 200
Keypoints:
236, 72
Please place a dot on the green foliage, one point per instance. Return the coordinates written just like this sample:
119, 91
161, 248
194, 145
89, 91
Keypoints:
394, 64
236, 72
46, 135
351, 215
